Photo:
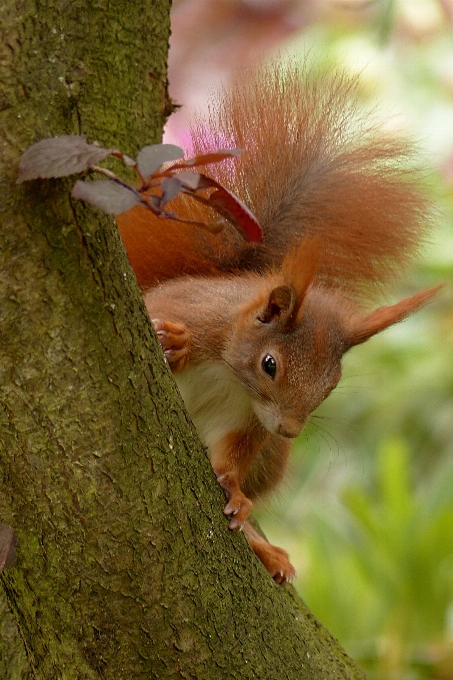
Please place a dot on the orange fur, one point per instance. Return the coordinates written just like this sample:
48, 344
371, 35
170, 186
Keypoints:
159, 249
255, 333
316, 165
313, 165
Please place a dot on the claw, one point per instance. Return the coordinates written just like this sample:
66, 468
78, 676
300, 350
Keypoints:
238, 504
274, 559
174, 340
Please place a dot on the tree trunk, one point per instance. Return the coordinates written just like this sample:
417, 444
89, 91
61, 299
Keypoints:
125, 565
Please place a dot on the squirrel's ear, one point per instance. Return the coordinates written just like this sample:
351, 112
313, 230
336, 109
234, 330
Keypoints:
280, 305
299, 269
362, 329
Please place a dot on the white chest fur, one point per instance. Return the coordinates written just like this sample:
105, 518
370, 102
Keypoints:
215, 400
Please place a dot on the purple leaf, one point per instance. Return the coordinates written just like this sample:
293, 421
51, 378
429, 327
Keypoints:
206, 158
150, 158
126, 159
171, 186
189, 180
229, 205
226, 204
109, 196
59, 157
7, 547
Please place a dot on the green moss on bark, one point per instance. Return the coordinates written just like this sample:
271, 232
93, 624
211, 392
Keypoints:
126, 568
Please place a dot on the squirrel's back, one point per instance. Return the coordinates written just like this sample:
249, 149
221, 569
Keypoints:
313, 164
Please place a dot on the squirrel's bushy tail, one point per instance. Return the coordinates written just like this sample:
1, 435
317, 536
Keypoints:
314, 164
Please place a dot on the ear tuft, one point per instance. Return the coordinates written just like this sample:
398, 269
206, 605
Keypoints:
280, 305
375, 322
299, 269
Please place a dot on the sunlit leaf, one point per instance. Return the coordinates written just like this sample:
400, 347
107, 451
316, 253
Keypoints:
227, 203
206, 158
231, 207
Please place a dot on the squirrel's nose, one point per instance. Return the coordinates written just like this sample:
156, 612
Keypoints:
290, 428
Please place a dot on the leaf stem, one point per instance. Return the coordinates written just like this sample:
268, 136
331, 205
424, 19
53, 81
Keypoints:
103, 171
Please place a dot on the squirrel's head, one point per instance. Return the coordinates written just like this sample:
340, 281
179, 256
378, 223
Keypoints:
288, 343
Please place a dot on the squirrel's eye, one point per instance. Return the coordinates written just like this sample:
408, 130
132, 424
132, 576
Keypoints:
269, 366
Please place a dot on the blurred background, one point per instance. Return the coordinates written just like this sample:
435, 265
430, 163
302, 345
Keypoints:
367, 510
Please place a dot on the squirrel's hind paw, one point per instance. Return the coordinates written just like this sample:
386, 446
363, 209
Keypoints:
274, 559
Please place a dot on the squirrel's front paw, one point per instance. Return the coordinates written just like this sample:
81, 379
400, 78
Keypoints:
174, 340
238, 504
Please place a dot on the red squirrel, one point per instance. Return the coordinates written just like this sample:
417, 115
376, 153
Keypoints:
255, 333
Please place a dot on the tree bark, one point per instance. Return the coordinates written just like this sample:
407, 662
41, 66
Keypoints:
126, 567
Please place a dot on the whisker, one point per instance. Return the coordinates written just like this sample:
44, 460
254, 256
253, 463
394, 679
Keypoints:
327, 436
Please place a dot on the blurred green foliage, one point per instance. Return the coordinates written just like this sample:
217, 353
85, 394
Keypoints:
367, 512
392, 559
